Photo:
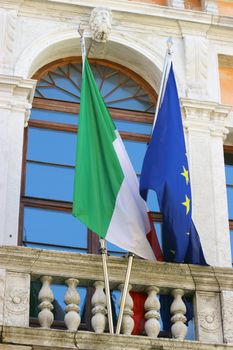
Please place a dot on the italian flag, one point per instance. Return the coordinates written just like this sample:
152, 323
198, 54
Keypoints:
106, 191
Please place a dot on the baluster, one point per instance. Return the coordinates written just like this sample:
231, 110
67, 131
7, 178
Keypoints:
127, 320
72, 299
45, 297
178, 310
99, 311
152, 306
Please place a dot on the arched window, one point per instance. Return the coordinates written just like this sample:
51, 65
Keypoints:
49, 148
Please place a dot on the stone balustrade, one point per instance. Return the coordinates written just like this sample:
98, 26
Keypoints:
211, 288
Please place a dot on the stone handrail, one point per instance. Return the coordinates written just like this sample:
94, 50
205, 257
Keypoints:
211, 287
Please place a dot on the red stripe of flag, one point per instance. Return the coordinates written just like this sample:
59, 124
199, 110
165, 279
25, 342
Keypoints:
140, 298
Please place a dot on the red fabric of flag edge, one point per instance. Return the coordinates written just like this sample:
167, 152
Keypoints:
140, 298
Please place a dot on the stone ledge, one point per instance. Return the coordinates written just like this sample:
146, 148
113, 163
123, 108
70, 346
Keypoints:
40, 339
88, 268
14, 347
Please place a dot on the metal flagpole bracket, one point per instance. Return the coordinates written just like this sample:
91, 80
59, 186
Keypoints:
125, 291
103, 251
169, 45
82, 44
80, 30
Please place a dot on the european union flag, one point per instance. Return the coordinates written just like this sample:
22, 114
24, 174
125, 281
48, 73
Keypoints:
165, 170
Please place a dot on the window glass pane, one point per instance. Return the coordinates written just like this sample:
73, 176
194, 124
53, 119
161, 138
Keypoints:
53, 227
51, 182
117, 88
158, 230
63, 83
191, 330
51, 146
131, 104
141, 128
58, 302
136, 151
115, 297
152, 201
229, 174
59, 291
53, 247
115, 250
230, 201
54, 116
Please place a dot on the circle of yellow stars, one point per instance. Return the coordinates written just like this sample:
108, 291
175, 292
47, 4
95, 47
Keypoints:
185, 174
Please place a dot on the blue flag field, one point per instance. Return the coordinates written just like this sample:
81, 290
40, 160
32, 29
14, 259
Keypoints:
165, 170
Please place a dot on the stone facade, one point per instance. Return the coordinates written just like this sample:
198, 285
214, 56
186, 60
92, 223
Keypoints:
48, 31
34, 33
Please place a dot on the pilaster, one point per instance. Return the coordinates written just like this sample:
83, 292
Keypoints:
8, 21
15, 103
208, 317
179, 4
210, 6
227, 315
196, 60
205, 131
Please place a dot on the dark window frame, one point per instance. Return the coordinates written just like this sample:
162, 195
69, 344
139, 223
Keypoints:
73, 108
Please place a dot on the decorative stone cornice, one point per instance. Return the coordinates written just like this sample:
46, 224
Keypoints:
17, 94
62, 265
205, 116
152, 10
52, 338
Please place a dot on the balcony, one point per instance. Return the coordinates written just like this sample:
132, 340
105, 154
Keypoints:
211, 290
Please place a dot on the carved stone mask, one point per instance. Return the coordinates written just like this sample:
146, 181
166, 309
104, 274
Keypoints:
100, 24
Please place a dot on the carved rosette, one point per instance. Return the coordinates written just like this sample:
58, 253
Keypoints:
209, 320
17, 301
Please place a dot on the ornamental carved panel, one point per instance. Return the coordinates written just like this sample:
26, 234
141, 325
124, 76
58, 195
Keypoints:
17, 292
208, 321
8, 20
196, 65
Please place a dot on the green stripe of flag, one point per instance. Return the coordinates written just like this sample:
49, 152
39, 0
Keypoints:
98, 174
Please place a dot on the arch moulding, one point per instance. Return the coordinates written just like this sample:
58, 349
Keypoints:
121, 50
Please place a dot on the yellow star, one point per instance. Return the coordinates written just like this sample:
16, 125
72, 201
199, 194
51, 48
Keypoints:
186, 175
187, 204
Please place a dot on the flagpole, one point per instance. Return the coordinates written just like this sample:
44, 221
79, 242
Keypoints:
102, 241
106, 282
164, 75
83, 45
124, 293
